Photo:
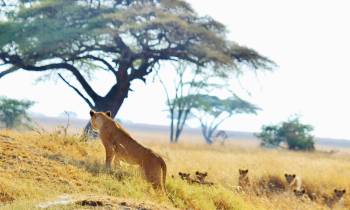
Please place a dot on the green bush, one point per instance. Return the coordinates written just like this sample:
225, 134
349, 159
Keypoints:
293, 133
13, 112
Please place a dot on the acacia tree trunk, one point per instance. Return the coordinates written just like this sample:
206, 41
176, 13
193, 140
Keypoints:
207, 133
171, 125
111, 102
182, 117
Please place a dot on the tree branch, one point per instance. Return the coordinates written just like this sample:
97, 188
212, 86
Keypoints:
76, 90
142, 71
17, 61
121, 44
109, 66
8, 71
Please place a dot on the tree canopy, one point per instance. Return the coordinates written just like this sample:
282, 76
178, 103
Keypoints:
211, 111
127, 38
296, 135
189, 80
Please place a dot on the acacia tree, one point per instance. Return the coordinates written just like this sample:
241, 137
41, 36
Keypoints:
211, 111
127, 38
189, 80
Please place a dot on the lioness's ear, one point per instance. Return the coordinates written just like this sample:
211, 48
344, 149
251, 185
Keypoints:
92, 113
108, 113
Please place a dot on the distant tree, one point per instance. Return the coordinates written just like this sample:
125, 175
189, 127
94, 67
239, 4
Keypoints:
221, 136
211, 111
69, 114
188, 81
127, 38
13, 112
293, 133
269, 136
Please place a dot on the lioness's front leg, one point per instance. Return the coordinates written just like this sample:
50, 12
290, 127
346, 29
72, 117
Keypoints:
109, 155
117, 161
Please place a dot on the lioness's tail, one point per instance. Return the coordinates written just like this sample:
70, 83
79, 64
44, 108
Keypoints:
163, 165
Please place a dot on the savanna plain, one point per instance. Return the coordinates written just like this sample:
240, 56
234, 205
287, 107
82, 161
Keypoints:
57, 170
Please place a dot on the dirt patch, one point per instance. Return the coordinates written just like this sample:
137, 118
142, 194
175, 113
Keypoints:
102, 202
89, 203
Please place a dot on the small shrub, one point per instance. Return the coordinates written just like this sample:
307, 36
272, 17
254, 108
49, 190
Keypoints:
293, 133
13, 113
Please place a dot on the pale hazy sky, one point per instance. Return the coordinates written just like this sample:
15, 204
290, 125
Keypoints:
308, 39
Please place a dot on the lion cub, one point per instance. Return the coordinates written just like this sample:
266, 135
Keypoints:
304, 195
293, 181
243, 179
201, 178
187, 177
299, 193
120, 145
337, 198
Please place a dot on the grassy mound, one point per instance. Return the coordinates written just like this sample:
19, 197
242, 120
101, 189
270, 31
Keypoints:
37, 168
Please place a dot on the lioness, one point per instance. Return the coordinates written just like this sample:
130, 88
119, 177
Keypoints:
119, 144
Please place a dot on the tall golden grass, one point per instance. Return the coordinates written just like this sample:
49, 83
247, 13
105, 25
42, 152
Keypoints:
38, 167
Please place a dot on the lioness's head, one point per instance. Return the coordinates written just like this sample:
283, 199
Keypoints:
289, 177
243, 173
339, 193
97, 118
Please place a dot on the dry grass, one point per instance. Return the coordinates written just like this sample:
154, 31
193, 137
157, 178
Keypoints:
36, 168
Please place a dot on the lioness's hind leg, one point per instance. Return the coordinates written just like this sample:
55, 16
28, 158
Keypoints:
154, 177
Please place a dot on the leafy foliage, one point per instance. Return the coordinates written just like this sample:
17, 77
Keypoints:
269, 137
14, 112
127, 38
295, 134
188, 80
211, 111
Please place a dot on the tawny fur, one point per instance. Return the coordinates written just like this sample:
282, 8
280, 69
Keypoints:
299, 193
243, 179
187, 177
337, 198
201, 178
121, 146
293, 181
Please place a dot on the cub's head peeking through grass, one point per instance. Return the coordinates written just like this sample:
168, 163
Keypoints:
293, 181
337, 198
243, 179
